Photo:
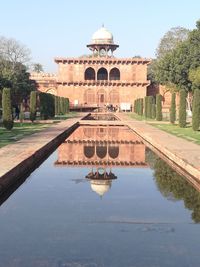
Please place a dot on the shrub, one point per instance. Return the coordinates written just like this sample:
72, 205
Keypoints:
153, 112
141, 106
67, 105
56, 105
182, 109
196, 110
21, 114
7, 109
158, 107
145, 106
33, 97
173, 108
47, 105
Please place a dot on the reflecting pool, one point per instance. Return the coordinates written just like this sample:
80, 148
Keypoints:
102, 199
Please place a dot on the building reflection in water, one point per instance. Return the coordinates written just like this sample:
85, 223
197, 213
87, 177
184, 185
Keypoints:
102, 148
101, 180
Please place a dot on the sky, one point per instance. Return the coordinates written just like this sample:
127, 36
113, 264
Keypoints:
63, 28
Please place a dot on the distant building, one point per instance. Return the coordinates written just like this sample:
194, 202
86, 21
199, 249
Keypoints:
98, 79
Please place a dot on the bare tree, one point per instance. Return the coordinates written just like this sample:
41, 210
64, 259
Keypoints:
14, 52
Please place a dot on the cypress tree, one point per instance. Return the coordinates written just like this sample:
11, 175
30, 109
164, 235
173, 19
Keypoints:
60, 105
7, 109
173, 108
141, 106
182, 109
56, 105
33, 106
137, 106
21, 114
134, 109
196, 110
151, 101
158, 107
145, 106
153, 112
67, 105
149, 106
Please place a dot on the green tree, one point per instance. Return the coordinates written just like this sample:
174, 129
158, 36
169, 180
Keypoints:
33, 102
13, 70
194, 77
7, 109
37, 67
182, 109
153, 112
196, 110
173, 108
141, 106
145, 106
158, 107
56, 105
21, 114
46, 105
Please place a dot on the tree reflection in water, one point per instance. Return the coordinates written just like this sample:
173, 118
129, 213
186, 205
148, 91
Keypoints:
175, 187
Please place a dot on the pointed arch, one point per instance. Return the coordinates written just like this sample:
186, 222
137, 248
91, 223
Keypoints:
114, 74
101, 151
89, 151
89, 74
102, 74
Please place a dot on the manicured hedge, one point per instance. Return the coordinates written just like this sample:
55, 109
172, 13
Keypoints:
7, 109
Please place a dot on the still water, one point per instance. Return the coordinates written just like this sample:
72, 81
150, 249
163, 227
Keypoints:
102, 199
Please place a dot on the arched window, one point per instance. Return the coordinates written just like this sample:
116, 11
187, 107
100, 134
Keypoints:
113, 151
114, 74
89, 74
101, 151
89, 151
102, 74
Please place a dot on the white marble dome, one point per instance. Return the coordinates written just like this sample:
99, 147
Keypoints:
100, 186
102, 36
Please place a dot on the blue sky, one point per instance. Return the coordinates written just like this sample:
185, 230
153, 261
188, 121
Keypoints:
63, 27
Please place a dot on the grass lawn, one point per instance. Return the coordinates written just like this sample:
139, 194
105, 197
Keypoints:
19, 131
142, 118
186, 133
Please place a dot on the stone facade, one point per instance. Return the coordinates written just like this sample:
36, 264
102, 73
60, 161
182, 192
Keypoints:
99, 79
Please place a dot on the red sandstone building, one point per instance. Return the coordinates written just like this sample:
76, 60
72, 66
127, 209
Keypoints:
98, 79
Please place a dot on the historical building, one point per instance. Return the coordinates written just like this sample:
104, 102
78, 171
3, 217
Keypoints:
98, 79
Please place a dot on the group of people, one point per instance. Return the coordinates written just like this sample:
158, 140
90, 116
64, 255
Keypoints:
111, 108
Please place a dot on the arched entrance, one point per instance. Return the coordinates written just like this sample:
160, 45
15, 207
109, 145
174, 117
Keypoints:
101, 97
